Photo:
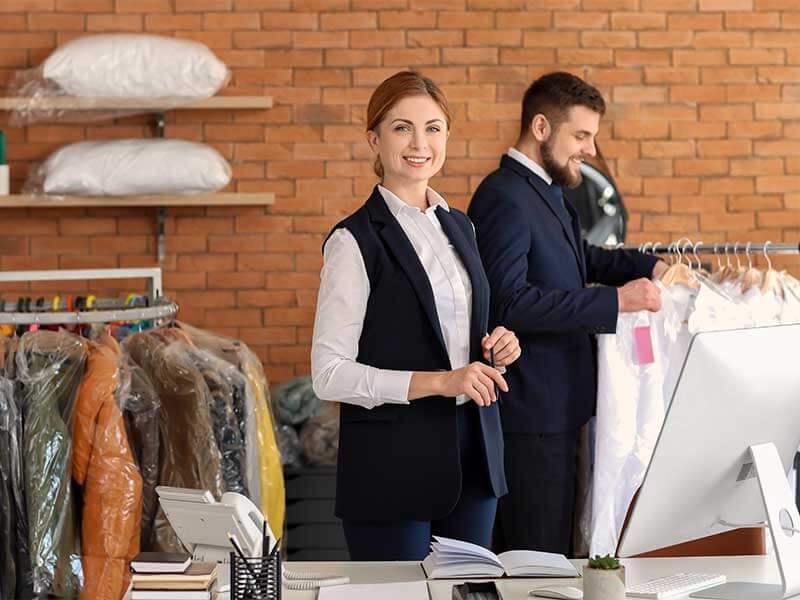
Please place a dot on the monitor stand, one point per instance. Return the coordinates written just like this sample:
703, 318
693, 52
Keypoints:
784, 525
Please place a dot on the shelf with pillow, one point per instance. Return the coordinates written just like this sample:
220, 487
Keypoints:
143, 104
219, 199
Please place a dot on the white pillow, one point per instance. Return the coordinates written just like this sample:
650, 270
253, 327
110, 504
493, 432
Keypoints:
135, 66
134, 167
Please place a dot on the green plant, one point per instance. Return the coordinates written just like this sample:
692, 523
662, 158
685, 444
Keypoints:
607, 562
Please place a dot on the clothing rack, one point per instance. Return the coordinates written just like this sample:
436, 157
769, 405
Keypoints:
684, 246
105, 311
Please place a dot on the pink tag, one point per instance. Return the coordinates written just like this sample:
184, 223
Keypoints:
643, 345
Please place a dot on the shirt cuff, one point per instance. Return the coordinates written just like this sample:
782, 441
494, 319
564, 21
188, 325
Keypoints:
392, 386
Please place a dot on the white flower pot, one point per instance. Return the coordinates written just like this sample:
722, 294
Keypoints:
602, 584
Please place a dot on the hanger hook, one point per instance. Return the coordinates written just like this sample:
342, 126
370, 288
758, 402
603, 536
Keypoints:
694, 253
686, 246
736, 254
644, 247
716, 253
655, 247
727, 257
747, 254
769, 262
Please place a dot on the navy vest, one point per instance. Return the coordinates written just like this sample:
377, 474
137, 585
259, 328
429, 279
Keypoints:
402, 461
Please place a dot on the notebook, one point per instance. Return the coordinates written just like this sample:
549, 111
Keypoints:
161, 562
199, 576
451, 558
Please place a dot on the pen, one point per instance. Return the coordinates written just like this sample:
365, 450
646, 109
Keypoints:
496, 387
247, 565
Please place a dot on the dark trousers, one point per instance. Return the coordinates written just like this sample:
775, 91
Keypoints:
538, 511
471, 520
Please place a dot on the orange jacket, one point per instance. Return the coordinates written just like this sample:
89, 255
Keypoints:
103, 464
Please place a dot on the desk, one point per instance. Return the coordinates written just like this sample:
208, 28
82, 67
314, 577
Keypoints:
762, 569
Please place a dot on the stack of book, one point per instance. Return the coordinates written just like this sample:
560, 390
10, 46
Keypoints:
166, 576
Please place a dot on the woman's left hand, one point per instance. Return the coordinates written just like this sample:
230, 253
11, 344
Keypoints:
505, 344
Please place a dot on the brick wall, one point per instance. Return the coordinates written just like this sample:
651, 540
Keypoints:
703, 132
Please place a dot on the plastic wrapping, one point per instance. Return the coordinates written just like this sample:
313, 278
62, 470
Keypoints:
295, 401
89, 71
103, 465
50, 367
319, 436
188, 452
130, 167
12, 499
272, 499
141, 407
289, 445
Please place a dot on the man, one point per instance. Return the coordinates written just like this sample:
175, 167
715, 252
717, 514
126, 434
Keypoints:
538, 269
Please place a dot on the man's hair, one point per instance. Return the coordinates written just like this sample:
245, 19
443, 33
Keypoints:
554, 94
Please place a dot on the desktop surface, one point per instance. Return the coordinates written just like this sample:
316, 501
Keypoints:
747, 568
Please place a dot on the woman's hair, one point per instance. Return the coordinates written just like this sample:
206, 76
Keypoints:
391, 91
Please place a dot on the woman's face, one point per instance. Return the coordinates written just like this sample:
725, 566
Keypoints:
411, 140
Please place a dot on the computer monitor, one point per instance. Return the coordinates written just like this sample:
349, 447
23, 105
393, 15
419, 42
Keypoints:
724, 451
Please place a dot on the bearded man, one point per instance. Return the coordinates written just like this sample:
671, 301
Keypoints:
538, 268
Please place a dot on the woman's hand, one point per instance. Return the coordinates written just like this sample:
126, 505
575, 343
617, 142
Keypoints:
505, 344
476, 380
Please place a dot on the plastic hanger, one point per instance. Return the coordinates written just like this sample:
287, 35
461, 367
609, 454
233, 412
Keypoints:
679, 273
752, 277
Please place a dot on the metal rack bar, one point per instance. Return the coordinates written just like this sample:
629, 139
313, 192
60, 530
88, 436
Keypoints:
153, 276
162, 310
718, 248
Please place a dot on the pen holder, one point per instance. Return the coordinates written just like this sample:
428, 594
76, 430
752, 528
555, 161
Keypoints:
256, 578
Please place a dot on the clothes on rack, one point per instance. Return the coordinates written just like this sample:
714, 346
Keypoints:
50, 367
104, 467
639, 367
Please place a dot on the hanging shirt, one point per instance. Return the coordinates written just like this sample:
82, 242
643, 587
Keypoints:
342, 304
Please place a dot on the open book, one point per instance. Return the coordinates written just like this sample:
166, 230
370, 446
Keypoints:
456, 559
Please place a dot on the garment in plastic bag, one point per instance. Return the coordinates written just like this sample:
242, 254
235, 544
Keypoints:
289, 445
222, 379
319, 436
295, 401
141, 407
103, 465
189, 457
18, 510
270, 473
11, 486
50, 367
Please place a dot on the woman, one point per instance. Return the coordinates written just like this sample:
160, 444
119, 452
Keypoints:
399, 338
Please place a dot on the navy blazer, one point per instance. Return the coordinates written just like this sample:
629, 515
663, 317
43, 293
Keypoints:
401, 461
538, 267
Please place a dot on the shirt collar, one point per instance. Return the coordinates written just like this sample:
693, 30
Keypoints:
396, 205
525, 161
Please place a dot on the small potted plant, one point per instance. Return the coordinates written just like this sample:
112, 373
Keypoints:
603, 579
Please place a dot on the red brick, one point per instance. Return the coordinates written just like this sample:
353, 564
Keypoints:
690, 22
401, 19
114, 23
711, 221
265, 262
779, 74
725, 5
233, 21
701, 166
352, 58
162, 22
348, 21
726, 112
728, 75
757, 166
758, 56
288, 316
719, 148
768, 110
470, 56
465, 20
641, 129
778, 184
700, 57
610, 4
671, 185
665, 39
54, 22
583, 20
638, 20
663, 149
203, 5
752, 20
289, 20
632, 58
608, 39
775, 39
9, 6
528, 19
526, 56
754, 129
675, 75
575, 56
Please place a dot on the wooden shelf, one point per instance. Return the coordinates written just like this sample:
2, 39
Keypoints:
144, 104
223, 199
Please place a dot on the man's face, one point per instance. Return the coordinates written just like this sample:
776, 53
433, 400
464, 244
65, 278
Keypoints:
566, 146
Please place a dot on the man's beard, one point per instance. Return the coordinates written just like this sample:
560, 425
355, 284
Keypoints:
560, 174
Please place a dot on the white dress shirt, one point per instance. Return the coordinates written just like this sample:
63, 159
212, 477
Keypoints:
342, 304
530, 163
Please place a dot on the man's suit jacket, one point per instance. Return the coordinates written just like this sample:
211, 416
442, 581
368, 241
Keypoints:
538, 267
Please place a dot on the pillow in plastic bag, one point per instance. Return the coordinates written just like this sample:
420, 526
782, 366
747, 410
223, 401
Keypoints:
133, 167
135, 66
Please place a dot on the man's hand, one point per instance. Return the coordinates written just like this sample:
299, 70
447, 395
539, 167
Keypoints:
658, 270
637, 295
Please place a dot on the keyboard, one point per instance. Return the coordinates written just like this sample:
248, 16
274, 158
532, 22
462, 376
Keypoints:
672, 586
